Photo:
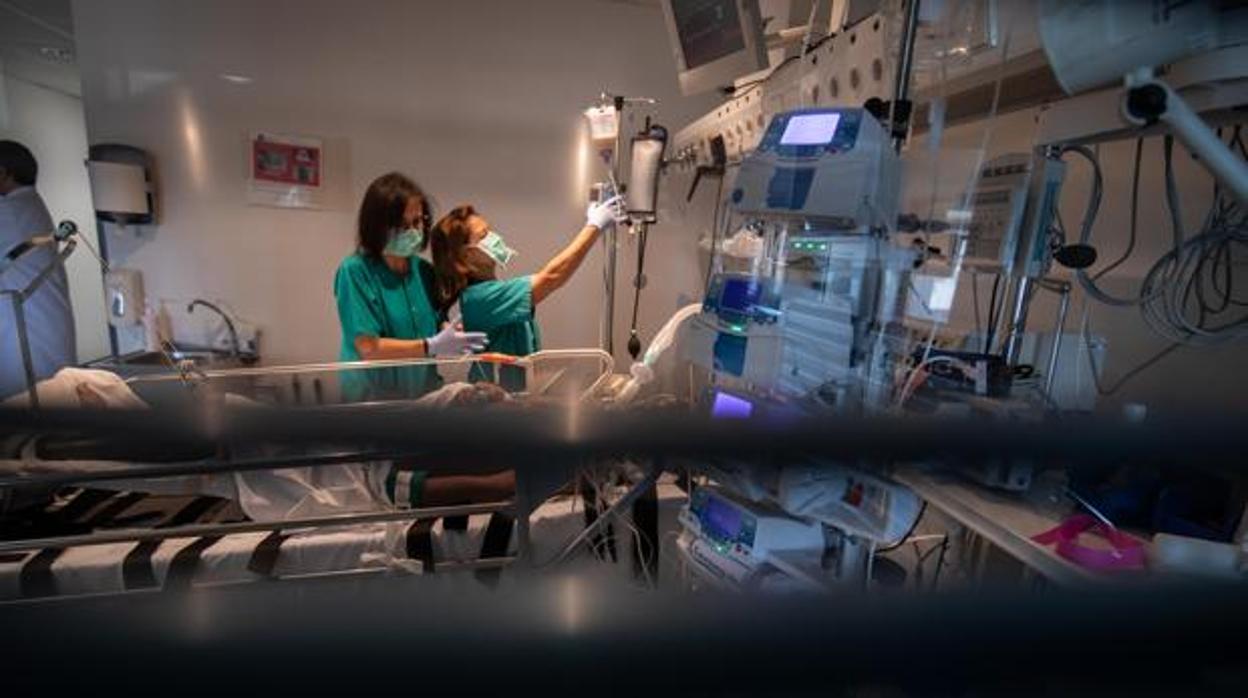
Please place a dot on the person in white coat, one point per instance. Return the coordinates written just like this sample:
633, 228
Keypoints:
49, 316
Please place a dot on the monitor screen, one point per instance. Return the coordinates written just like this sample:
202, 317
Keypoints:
708, 30
740, 295
723, 519
810, 129
728, 406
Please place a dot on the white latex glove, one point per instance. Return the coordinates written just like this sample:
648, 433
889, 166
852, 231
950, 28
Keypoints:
453, 342
601, 215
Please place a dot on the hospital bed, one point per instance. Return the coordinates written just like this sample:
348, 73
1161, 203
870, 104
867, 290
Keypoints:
103, 515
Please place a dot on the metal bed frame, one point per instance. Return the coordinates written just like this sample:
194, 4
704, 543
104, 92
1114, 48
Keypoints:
530, 491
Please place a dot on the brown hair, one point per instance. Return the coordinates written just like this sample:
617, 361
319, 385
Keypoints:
382, 211
454, 264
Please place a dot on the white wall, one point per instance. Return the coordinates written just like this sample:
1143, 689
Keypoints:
478, 101
39, 107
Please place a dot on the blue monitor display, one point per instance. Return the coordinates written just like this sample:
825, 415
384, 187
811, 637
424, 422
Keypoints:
721, 519
740, 294
728, 406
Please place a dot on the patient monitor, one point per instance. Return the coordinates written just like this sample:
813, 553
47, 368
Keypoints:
811, 317
836, 166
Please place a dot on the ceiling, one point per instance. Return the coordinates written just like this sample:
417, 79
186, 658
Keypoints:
37, 44
30, 26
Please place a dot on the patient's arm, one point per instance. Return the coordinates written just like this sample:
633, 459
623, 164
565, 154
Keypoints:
449, 490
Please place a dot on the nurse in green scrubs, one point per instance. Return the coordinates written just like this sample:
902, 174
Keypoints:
468, 255
385, 297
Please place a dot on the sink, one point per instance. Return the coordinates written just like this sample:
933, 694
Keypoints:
206, 358
140, 364
147, 362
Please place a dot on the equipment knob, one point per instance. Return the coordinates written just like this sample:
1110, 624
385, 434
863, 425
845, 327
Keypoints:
65, 230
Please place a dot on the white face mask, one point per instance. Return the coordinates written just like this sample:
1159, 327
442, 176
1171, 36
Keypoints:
496, 249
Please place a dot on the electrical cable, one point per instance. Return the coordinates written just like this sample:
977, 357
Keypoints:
1186, 294
904, 539
741, 90
1088, 283
920, 556
1135, 213
975, 300
990, 333
1189, 289
1172, 192
1126, 377
634, 342
940, 562
94, 253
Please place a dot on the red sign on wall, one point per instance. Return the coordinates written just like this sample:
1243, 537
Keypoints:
282, 162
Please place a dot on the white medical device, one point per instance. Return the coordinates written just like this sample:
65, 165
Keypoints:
732, 543
645, 166
123, 291
1012, 212
834, 166
814, 321
849, 499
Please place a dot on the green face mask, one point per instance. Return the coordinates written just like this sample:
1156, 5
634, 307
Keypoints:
494, 246
405, 243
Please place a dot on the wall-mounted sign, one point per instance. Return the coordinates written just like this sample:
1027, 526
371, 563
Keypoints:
285, 171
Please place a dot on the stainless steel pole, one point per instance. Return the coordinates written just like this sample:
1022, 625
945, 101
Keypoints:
901, 86
610, 240
1062, 309
1018, 320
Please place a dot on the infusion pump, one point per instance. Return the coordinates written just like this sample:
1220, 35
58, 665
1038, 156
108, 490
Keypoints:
834, 168
731, 542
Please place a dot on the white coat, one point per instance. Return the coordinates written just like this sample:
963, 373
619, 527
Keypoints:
49, 317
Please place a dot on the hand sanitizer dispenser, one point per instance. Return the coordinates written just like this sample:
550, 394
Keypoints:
123, 292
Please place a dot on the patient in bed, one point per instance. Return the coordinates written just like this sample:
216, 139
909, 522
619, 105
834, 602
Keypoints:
289, 493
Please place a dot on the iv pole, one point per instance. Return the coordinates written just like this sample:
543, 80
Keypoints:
611, 240
610, 236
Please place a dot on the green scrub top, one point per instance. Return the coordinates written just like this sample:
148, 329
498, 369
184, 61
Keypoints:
375, 302
503, 310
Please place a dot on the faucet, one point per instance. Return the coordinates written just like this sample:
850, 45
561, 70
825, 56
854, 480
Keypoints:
229, 324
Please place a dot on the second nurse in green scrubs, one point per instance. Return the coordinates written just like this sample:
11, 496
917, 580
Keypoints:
467, 256
385, 296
